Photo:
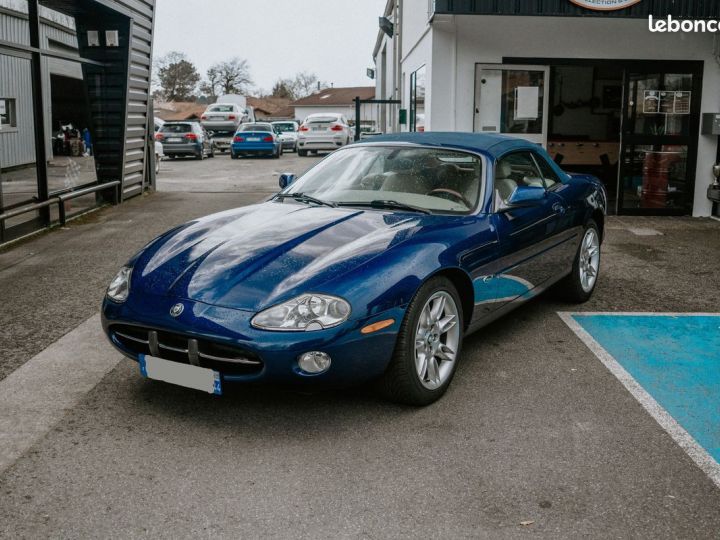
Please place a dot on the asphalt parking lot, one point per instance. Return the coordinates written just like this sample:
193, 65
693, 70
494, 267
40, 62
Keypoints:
536, 437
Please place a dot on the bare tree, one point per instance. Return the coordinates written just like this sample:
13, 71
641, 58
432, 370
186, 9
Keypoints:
177, 76
211, 84
233, 76
305, 83
283, 88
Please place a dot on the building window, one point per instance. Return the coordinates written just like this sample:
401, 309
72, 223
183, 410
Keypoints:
417, 100
8, 119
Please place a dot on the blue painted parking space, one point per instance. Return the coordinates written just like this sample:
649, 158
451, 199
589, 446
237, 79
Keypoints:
674, 358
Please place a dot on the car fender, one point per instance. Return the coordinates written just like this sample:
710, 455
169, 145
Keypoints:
392, 279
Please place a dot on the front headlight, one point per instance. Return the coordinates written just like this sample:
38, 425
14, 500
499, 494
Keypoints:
119, 288
305, 313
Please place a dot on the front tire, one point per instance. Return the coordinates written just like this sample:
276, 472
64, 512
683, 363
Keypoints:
428, 346
578, 287
302, 153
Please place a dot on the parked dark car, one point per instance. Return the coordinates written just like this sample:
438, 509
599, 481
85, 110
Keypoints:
375, 264
185, 139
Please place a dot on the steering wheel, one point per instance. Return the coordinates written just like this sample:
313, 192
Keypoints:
453, 193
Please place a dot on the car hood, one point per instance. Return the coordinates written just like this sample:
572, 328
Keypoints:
256, 256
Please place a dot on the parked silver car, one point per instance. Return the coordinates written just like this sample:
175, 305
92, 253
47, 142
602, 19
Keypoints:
323, 132
288, 132
224, 117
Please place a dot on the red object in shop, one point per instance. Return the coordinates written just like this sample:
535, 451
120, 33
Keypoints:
656, 177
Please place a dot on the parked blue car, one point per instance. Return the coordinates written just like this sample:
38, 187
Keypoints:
375, 264
258, 138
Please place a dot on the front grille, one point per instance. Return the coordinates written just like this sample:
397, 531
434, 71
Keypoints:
226, 359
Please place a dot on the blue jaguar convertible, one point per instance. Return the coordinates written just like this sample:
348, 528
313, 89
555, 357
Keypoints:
375, 264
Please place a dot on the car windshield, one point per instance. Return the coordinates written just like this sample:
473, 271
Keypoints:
256, 127
176, 128
435, 180
285, 128
222, 108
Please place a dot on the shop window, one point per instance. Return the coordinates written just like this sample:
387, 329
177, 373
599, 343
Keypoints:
417, 100
8, 117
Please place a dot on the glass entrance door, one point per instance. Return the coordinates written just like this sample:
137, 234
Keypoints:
512, 100
659, 142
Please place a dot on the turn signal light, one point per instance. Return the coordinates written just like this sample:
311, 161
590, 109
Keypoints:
376, 327
203, 117
191, 137
268, 138
231, 117
336, 127
159, 136
304, 128
238, 139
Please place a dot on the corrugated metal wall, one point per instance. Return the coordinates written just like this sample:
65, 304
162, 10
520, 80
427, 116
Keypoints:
17, 146
120, 92
143, 13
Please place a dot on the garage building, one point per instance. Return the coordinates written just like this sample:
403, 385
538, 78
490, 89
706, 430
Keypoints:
598, 89
84, 68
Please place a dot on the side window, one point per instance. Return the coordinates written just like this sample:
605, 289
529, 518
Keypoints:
513, 170
548, 173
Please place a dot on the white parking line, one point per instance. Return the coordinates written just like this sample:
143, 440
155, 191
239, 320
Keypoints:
39, 393
691, 447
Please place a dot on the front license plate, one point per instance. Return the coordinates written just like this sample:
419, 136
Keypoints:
195, 377
253, 139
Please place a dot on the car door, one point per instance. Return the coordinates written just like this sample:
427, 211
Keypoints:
569, 224
530, 237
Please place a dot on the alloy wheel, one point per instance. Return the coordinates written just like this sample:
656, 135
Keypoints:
437, 339
589, 260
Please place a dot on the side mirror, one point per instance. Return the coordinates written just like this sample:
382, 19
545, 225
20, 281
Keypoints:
716, 172
286, 179
524, 197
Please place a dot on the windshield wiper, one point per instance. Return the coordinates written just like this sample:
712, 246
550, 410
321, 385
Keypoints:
301, 197
394, 205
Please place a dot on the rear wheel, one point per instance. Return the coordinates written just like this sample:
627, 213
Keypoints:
212, 151
200, 155
428, 346
579, 285
233, 155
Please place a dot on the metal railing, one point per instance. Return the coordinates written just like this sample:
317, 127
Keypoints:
60, 200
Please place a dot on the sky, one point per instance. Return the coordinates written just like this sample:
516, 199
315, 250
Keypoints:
279, 38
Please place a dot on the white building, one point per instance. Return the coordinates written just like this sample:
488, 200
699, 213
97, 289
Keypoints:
599, 90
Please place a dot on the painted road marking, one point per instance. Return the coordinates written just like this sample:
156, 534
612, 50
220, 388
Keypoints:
37, 395
670, 363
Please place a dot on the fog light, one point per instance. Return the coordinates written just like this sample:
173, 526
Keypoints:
314, 362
